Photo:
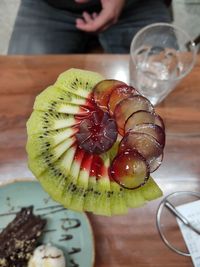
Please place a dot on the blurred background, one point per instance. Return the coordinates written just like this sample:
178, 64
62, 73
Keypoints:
186, 14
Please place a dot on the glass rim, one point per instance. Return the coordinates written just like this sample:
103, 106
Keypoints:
158, 218
178, 29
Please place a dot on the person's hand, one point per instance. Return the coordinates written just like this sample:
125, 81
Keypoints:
111, 10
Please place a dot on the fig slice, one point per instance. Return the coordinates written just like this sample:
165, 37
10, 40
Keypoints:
129, 169
128, 106
144, 143
102, 91
97, 133
153, 130
143, 116
118, 94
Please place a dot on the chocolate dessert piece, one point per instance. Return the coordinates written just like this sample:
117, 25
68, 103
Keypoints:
19, 238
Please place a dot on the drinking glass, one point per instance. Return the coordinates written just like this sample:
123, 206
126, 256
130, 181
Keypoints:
160, 56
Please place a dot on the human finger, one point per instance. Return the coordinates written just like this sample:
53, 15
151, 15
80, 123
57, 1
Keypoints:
94, 15
98, 23
80, 21
87, 17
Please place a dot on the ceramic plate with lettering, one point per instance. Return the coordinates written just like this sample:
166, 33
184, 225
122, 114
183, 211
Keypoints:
70, 231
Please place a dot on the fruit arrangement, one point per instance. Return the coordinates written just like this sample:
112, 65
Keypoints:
92, 143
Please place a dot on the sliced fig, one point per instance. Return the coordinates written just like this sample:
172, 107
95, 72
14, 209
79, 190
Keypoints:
127, 107
145, 144
97, 133
129, 169
155, 163
118, 94
151, 129
102, 91
143, 116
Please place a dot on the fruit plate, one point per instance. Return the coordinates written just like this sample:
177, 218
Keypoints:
66, 229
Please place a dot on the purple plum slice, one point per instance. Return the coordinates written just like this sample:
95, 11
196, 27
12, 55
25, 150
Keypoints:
155, 163
151, 129
143, 116
102, 91
118, 94
129, 169
128, 106
145, 144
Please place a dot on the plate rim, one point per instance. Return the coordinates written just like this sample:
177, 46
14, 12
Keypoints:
20, 180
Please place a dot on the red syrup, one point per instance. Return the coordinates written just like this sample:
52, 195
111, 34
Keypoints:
86, 162
79, 155
97, 132
91, 163
90, 103
97, 167
86, 109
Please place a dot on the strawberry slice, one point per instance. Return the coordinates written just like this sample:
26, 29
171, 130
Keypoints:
118, 94
102, 91
129, 169
97, 133
127, 107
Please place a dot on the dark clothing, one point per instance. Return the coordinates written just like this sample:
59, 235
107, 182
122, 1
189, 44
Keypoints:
93, 5
72, 6
48, 26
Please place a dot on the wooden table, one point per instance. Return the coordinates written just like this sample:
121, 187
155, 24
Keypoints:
130, 240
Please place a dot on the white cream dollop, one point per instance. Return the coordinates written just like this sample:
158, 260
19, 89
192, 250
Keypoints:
47, 256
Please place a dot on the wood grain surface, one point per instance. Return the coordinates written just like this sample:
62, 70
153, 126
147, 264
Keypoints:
132, 239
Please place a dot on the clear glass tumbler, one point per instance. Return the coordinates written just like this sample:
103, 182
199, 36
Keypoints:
160, 56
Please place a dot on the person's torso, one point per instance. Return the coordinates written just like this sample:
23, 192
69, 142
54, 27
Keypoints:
90, 6
71, 5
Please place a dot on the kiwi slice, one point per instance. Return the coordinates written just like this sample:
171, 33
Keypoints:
102, 190
57, 140
90, 197
78, 82
53, 98
71, 175
117, 199
77, 201
41, 122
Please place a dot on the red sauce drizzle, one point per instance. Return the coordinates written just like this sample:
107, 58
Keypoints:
97, 166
